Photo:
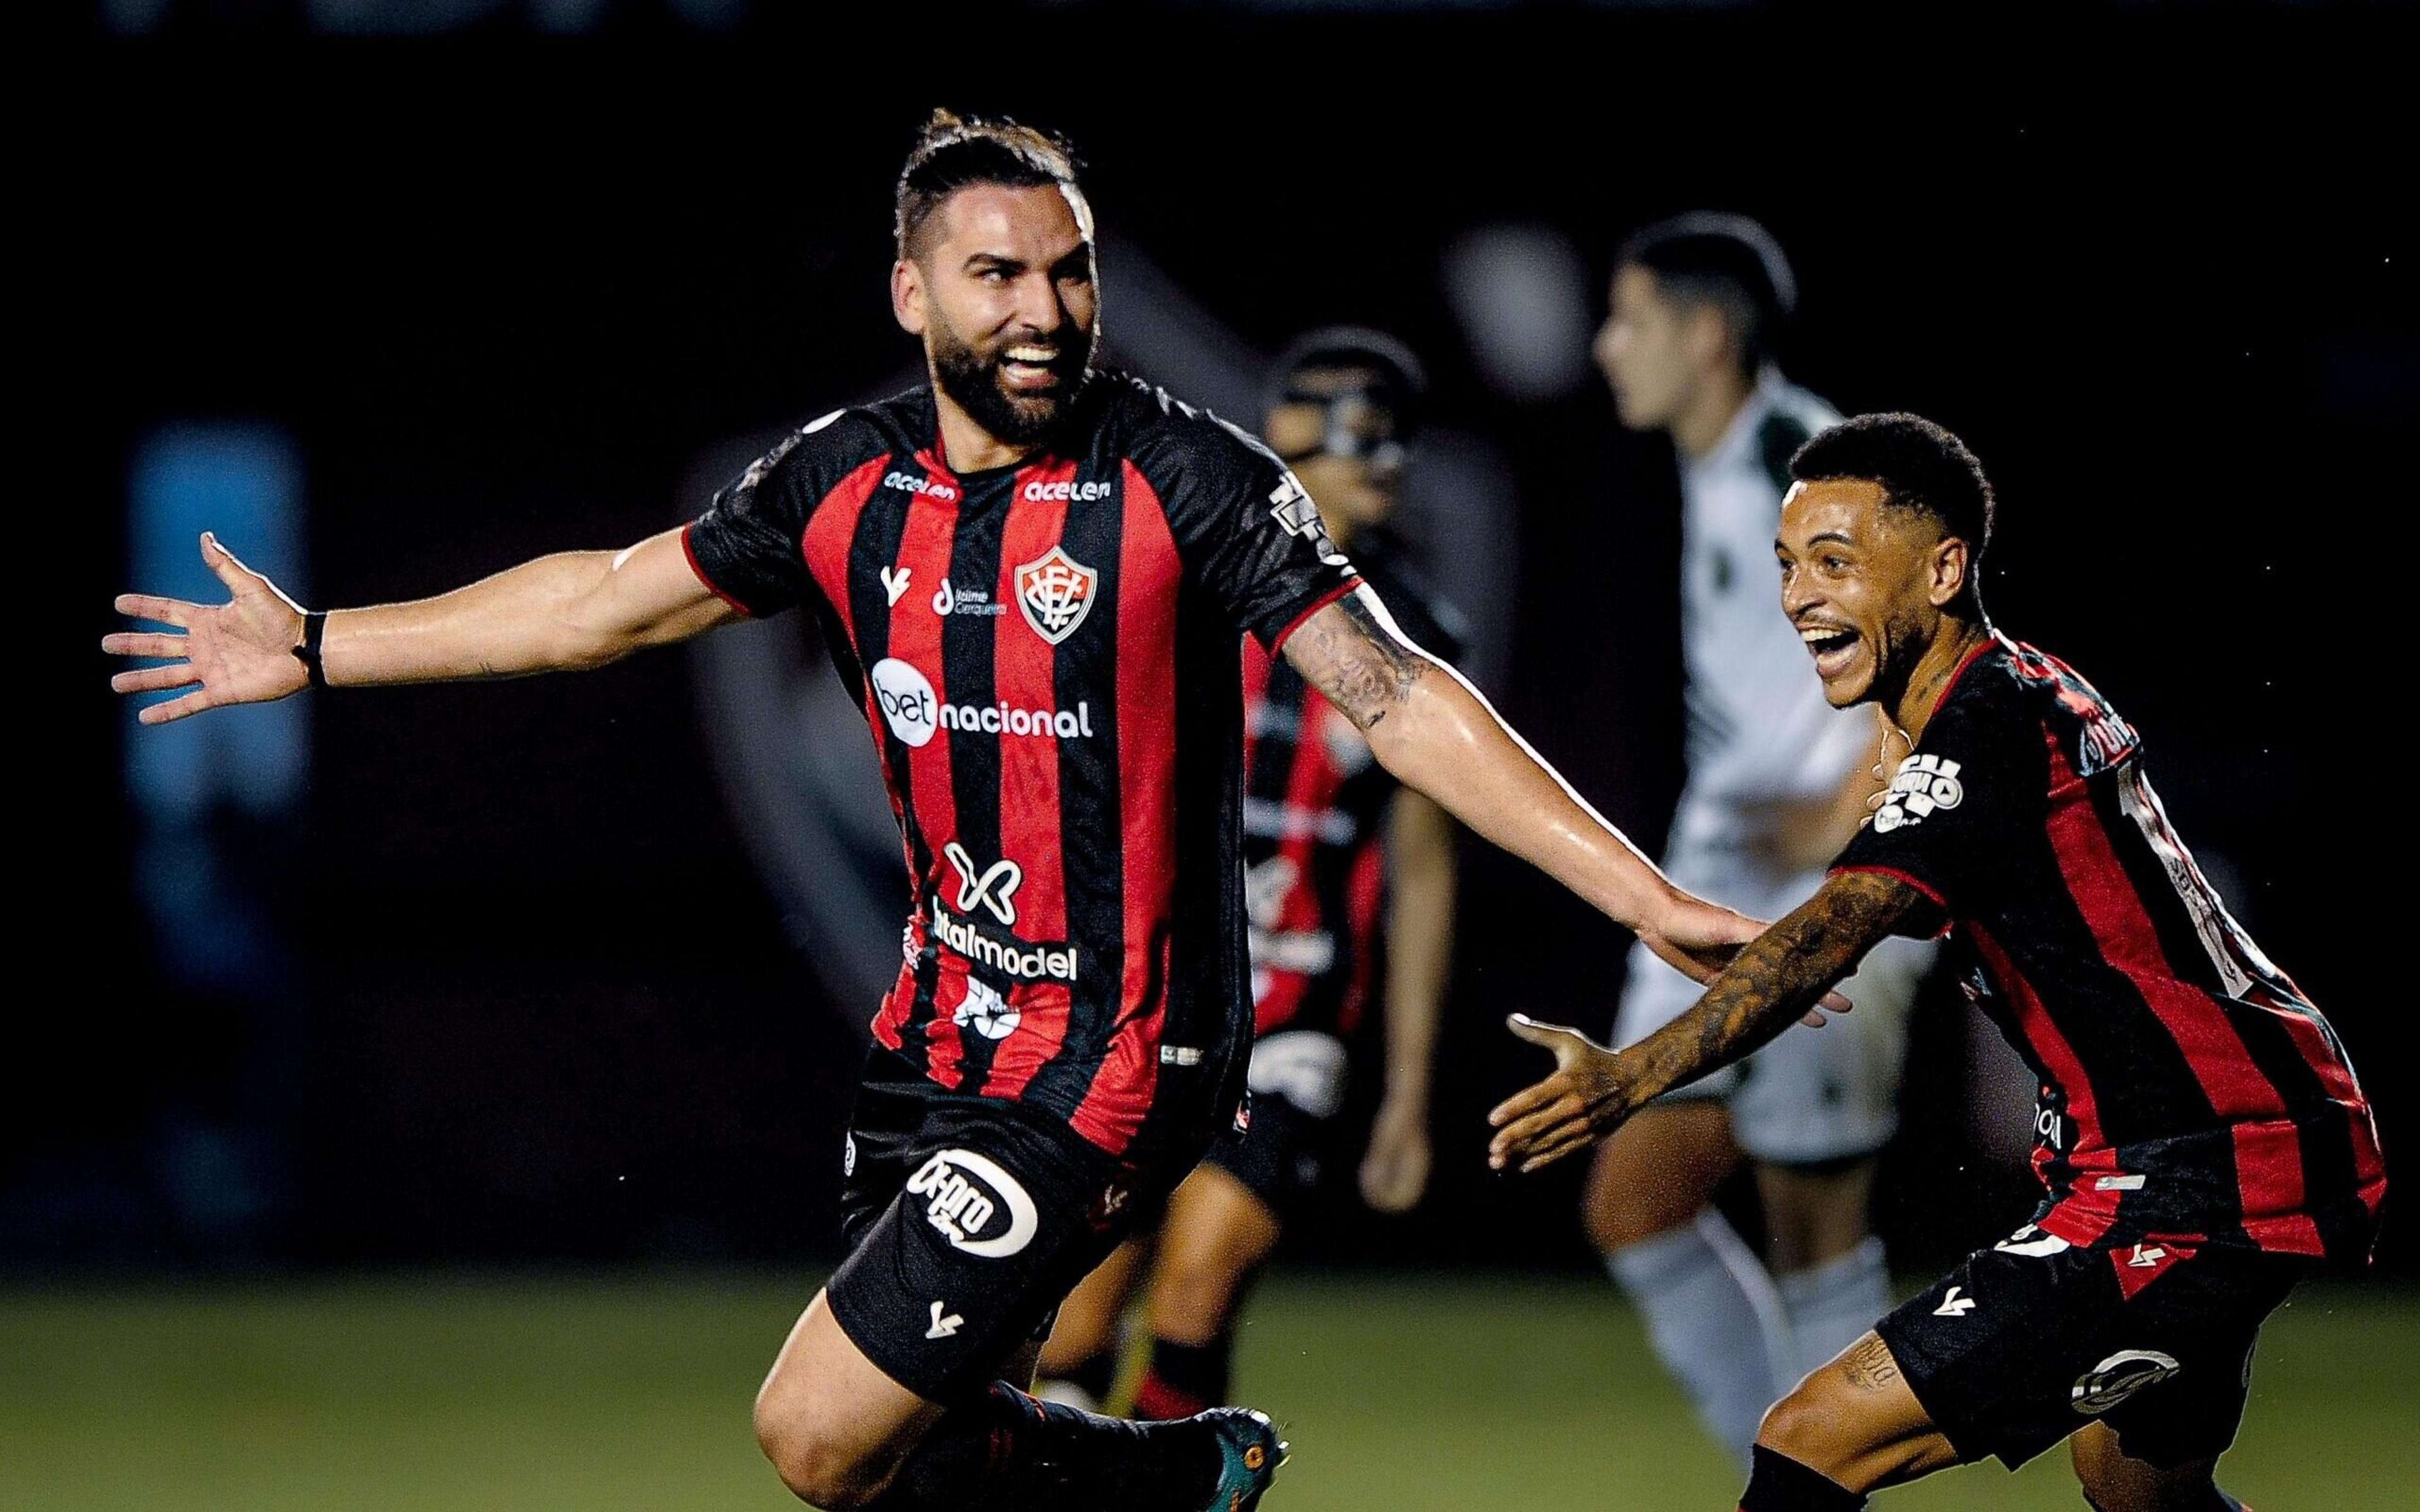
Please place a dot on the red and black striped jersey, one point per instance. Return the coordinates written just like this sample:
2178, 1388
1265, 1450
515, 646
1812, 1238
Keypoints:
1315, 807
1049, 658
2190, 1093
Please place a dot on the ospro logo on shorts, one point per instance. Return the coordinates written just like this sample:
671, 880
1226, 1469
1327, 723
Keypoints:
978, 1207
2119, 1377
907, 699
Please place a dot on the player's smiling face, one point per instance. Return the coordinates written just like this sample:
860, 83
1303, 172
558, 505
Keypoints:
1862, 585
1003, 292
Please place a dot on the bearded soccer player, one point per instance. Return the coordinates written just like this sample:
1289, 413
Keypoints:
1035, 578
1331, 842
2202, 1139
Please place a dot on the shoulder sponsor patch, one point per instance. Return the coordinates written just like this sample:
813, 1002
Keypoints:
1924, 785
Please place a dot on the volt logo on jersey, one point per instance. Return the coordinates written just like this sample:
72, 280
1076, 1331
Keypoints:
975, 1204
894, 582
943, 1326
1055, 590
1954, 1305
993, 887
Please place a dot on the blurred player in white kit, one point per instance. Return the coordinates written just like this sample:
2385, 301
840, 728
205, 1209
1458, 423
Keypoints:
1777, 780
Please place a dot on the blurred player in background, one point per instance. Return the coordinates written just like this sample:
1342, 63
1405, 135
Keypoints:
2201, 1141
1328, 835
1777, 780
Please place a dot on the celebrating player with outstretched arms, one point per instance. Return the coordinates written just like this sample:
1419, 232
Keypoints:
2202, 1141
1034, 578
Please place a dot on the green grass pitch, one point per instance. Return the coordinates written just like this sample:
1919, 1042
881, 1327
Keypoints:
449, 1394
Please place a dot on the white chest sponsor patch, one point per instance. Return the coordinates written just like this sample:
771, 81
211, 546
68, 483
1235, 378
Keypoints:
905, 698
975, 1204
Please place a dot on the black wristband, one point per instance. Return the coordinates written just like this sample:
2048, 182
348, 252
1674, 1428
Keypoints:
315, 624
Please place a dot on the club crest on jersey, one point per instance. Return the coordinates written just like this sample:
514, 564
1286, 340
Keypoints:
1055, 590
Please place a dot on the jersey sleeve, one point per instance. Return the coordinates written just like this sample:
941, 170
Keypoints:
1244, 528
1960, 809
746, 546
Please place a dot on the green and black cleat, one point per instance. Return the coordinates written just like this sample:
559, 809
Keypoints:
1249, 1453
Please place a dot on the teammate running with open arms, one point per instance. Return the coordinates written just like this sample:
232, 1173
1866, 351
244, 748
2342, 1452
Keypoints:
1034, 577
2201, 1138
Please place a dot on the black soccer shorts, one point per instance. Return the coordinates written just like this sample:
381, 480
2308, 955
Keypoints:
2034, 1338
1278, 1155
968, 1219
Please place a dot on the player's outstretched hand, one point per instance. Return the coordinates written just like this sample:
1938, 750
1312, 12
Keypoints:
1395, 1171
1590, 1095
240, 652
1700, 938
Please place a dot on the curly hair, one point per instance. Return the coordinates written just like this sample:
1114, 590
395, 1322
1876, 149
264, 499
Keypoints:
1920, 467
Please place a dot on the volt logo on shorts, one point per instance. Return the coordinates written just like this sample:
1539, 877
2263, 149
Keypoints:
977, 1206
1923, 785
2119, 1377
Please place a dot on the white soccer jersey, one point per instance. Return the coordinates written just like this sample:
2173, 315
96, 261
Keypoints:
1760, 731
1760, 734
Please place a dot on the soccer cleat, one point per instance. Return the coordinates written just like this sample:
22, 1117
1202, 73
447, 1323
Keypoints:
1249, 1453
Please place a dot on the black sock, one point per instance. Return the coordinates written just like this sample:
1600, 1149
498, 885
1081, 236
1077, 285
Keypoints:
1008, 1452
1776, 1483
1184, 1379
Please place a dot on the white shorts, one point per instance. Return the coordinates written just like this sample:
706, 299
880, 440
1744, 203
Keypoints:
1812, 1095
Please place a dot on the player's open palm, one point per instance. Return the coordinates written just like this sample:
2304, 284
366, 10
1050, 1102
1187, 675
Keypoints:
1588, 1097
240, 652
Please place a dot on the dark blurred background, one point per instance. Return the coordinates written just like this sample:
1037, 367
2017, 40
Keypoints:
393, 295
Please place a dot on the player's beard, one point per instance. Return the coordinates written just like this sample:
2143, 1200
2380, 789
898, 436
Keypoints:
973, 378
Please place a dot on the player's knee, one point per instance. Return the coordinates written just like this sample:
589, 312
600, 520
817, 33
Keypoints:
1193, 1296
817, 1468
1613, 1224
1795, 1426
1616, 1213
1076, 1341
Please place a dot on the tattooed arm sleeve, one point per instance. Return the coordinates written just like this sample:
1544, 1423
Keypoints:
1778, 977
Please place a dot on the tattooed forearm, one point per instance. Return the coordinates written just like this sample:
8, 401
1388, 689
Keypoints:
1869, 1365
1778, 975
1358, 658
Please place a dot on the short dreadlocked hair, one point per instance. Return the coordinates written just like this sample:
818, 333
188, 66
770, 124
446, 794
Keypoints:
954, 152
